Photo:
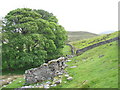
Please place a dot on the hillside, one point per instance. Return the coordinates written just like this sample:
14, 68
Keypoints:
87, 42
98, 67
79, 35
95, 68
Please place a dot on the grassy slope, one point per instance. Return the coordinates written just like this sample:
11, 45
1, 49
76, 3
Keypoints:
95, 71
84, 43
66, 50
19, 82
79, 35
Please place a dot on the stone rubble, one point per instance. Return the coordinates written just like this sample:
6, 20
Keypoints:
46, 86
66, 75
73, 67
68, 60
58, 81
69, 78
48, 82
47, 71
53, 70
53, 85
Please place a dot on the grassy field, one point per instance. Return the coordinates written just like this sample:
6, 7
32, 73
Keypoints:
66, 50
87, 42
96, 68
19, 82
79, 35
12, 79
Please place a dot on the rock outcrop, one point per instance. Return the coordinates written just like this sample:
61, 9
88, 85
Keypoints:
47, 71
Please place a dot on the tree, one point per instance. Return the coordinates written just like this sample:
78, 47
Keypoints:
31, 37
47, 16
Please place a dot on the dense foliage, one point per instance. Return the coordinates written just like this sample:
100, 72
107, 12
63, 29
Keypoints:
30, 38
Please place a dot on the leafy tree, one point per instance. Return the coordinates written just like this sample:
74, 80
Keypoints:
47, 16
30, 38
0, 43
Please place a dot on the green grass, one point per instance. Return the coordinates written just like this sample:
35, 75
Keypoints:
19, 82
66, 50
97, 72
16, 83
87, 42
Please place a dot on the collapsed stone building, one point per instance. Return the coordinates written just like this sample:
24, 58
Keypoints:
47, 71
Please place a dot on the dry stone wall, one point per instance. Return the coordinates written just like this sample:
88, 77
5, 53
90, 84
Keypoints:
80, 51
47, 71
53, 68
72, 49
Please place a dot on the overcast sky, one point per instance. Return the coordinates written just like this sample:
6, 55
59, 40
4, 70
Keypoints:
74, 15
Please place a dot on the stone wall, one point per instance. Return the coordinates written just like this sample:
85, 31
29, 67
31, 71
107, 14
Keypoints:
80, 51
47, 71
72, 49
53, 68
